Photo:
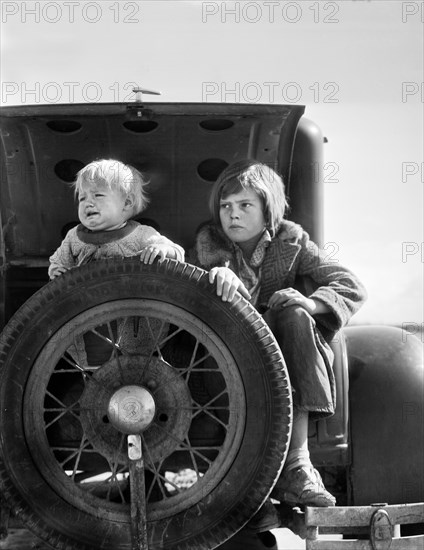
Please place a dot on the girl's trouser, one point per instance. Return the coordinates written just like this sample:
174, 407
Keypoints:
308, 357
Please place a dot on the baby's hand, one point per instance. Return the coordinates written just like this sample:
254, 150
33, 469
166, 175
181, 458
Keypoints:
57, 271
148, 254
227, 283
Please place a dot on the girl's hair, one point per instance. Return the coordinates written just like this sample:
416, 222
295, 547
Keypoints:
115, 175
250, 174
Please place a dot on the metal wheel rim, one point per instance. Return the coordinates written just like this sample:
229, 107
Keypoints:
44, 367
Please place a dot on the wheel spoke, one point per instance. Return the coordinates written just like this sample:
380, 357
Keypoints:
111, 340
62, 410
115, 469
204, 408
74, 453
169, 337
186, 446
84, 371
194, 464
136, 326
156, 346
114, 481
191, 368
152, 468
91, 485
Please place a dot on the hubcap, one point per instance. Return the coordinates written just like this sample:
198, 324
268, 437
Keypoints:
131, 409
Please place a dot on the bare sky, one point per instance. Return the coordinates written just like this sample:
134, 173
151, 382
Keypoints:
357, 65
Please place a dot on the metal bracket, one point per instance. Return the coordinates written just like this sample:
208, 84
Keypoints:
140, 91
381, 530
138, 103
138, 494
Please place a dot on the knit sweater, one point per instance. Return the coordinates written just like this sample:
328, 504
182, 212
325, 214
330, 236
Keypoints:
81, 245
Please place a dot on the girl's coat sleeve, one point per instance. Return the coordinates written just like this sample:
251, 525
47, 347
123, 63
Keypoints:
333, 284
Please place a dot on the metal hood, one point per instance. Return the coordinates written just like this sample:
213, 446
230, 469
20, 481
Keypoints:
180, 147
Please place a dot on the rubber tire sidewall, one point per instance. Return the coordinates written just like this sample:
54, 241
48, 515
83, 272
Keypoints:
266, 386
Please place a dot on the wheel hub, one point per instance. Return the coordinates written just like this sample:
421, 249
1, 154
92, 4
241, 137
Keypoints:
136, 394
131, 409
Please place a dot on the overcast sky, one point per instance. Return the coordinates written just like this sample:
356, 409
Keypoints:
357, 65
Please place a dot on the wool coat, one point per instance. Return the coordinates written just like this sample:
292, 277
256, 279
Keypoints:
291, 259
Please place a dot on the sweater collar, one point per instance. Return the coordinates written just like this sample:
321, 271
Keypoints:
104, 237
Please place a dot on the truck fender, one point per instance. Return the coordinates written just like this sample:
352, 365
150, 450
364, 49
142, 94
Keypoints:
386, 415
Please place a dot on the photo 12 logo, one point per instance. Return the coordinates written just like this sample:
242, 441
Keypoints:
270, 12
412, 248
270, 92
70, 12
412, 170
66, 92
412, 11
412, 90
412, 330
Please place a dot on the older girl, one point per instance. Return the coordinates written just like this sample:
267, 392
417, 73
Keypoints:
252, 249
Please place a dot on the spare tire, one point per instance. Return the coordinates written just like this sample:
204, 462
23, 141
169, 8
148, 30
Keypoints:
222, 407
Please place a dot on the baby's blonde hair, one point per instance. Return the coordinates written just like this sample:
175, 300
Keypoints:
115, 175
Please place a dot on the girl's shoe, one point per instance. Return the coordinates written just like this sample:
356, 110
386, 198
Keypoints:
302, 486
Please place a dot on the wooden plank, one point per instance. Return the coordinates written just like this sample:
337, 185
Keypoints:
345, 516
402, 543
338, 545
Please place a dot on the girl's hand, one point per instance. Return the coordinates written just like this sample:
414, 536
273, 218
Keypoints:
57, 271
148, 254
227, 283
290, 297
